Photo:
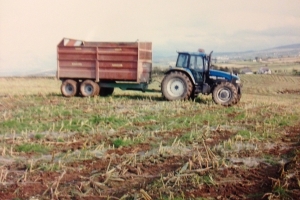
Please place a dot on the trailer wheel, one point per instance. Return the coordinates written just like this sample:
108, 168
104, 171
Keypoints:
225, 94
69, 88
97, 89
88, 88
176, 86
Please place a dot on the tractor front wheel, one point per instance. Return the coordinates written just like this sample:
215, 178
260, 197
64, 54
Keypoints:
239, 96
225, 94
176, 86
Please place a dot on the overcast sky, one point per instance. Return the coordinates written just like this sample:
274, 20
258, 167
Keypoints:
31, 29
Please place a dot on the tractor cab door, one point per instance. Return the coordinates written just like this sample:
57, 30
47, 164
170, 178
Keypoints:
196, 67
192, 62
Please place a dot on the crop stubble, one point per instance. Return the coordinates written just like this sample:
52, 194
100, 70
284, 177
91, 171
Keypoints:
167, 150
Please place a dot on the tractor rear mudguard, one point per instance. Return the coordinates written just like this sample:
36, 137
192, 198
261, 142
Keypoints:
184, 70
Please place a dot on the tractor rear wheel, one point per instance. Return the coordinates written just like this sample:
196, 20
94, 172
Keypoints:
88, 88
176, 86
69, 88
225, 94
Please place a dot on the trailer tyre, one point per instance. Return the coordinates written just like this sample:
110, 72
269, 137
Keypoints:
88, 88
176, 86
97, 89
69, 88
225, 94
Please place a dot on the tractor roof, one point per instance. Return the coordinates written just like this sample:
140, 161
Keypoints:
193, 53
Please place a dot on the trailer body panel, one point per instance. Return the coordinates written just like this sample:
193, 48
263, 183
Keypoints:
102, 61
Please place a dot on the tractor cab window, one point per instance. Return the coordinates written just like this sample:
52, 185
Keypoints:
196, 63
182, 60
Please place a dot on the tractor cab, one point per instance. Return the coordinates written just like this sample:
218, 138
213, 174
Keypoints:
198, 63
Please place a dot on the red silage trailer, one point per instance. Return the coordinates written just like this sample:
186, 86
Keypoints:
89, 68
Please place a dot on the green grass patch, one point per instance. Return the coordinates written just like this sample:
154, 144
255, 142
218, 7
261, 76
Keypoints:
281, 192
38, 136
121, 143
32, 148
270, 159
114, 121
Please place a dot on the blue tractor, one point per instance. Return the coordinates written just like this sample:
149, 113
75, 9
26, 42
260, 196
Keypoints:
193, 75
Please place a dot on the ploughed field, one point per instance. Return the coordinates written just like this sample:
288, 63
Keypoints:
135, 145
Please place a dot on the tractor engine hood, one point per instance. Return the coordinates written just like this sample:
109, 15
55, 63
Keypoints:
216, 74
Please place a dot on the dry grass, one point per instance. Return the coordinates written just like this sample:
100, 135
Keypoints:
28, 86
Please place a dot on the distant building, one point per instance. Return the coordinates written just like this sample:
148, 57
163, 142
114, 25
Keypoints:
258, 59
246, 70
264, 70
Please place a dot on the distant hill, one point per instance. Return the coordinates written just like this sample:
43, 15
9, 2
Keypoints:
292, 46
280, 51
